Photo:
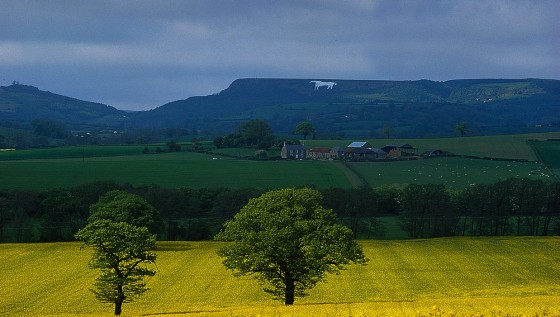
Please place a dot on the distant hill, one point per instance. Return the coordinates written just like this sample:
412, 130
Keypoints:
351, 108
22, 104
361, 108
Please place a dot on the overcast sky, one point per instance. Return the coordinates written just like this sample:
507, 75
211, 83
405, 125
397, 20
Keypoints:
141, 54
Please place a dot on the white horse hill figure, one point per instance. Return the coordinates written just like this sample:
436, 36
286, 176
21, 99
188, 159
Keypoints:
328, 84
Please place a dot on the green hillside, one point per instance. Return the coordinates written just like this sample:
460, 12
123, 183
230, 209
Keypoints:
21, 104
466, 276
351, 108
361, 108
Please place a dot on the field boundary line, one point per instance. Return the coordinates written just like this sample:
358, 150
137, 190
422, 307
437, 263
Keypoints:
539, 158
356, 179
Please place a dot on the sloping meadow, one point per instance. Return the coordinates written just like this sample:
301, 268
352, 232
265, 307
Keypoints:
450, 276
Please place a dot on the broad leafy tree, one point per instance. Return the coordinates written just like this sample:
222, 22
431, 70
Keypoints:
123, 253
305, 128
258, 134
462, 127
122, 206
288, 242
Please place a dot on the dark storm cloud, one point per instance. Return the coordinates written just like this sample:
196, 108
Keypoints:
141, 54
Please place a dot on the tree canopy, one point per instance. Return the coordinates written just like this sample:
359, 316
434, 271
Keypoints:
122, 252
258, 134
305, 128
427, 211
462, 127
122, 206
288, 241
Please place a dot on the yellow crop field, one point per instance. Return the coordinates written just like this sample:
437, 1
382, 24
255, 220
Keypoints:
508, 276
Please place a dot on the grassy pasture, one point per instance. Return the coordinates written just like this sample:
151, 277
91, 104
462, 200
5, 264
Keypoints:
75, 152
186, 169
173, 170
454, 172
403, 278
499, 146
69, 166
549, 152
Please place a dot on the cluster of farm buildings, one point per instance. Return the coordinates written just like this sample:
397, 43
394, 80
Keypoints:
354, 151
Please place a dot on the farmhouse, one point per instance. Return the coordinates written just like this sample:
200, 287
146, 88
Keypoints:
320, 153
293, 151
337, 152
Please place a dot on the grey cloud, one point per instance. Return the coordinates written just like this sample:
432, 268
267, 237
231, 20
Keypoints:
143, 53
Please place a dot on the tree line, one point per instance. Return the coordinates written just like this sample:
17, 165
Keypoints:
507, 207
41, 133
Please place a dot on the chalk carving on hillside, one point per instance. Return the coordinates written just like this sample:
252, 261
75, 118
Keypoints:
318, 83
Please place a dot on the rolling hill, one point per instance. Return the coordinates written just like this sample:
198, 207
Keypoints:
350, 109
498, 276
361, 108
21, 104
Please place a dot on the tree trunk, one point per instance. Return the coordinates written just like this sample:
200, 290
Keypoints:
546, 225
290, 291
119, 300
118, 307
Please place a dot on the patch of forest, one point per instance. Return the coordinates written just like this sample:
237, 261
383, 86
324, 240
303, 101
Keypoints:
507, 207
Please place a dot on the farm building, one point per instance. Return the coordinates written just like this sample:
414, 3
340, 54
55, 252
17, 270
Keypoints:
433, 153
398, 150
293, 151
358, 153
320, 153
364, 145
354, 151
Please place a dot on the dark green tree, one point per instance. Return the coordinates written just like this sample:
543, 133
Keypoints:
49, 128
387, 130
288, 242
473, 206
6, 213
427, 211
122, 206
257, 134
305, 128
123, 253
173, 146
462, 127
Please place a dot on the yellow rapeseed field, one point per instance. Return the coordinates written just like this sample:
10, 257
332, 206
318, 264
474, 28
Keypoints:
509, 276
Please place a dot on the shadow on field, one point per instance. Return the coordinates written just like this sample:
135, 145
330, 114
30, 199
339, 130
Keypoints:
183, 312
174, 246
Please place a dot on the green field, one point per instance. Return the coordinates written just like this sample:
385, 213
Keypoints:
70, 166
81, 152
403, 278
173, 170
499, 146
549, 152
193, 170
454, 172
